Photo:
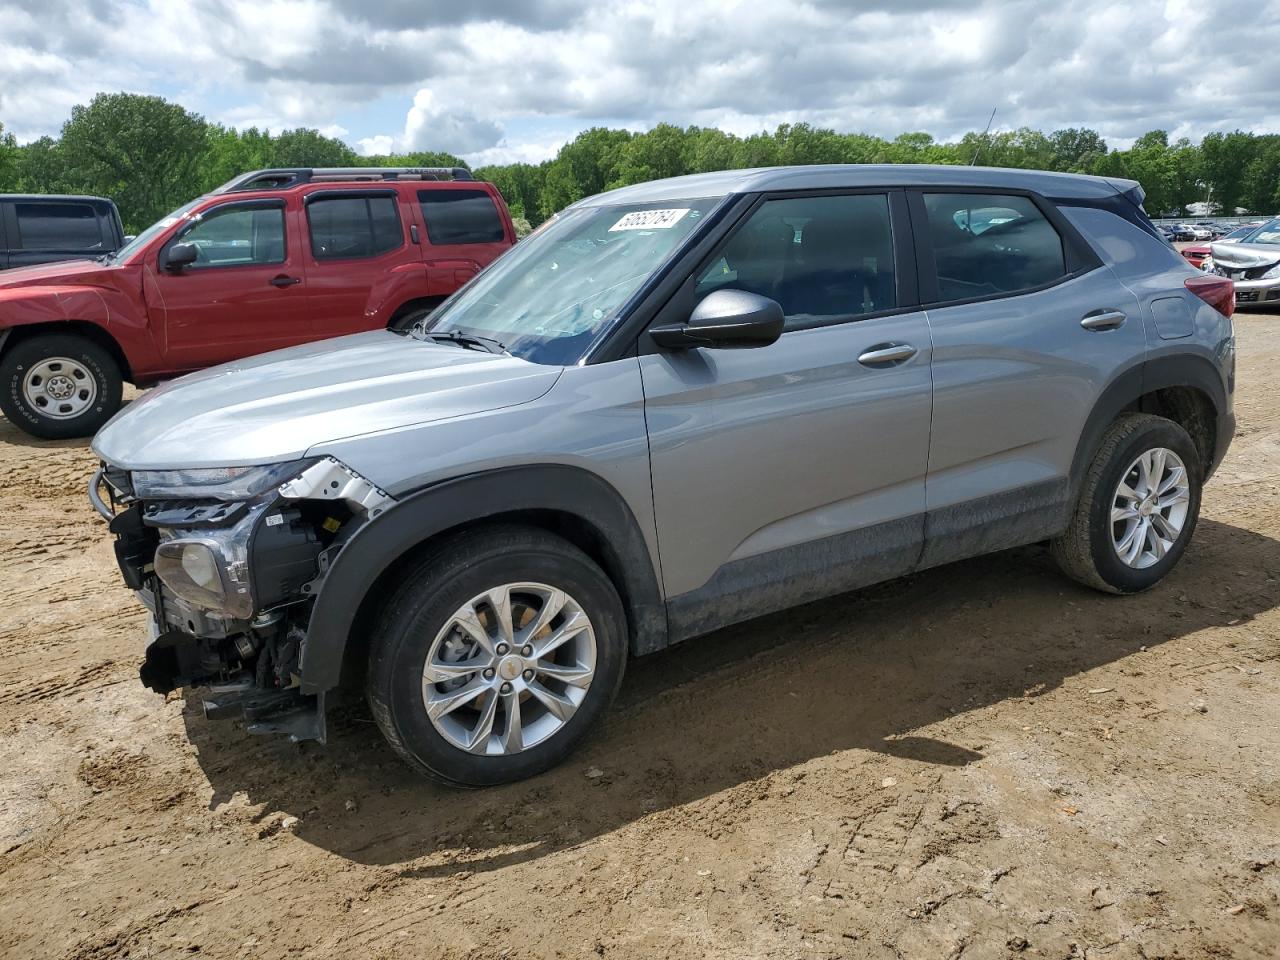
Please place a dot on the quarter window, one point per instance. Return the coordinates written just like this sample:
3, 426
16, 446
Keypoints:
58, 226
348, 228
986, 245
237, 236
461, 216
824, 259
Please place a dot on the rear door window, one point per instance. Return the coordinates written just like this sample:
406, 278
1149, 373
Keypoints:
58, 226
988, 245
461, 216
349, 227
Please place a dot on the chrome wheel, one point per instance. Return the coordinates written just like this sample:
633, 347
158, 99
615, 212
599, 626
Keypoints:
1149, 508
509, 669
59, 388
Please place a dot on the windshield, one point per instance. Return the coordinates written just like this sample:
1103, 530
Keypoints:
149, 234
550, 297
1269, 232
1241, 232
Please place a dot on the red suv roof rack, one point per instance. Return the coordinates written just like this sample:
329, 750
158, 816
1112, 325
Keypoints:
280, 178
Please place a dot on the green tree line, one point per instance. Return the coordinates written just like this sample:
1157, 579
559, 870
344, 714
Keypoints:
150, 155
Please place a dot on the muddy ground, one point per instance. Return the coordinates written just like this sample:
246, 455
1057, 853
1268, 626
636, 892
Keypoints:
984, 760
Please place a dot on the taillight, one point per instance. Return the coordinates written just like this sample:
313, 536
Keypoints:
1217, 292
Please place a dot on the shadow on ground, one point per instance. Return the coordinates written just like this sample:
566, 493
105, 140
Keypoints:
863, 672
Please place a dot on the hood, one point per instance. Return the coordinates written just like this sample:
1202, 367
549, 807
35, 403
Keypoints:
277, 405
52, 274
1241, 256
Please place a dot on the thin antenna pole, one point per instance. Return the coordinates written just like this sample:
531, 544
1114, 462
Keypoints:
978, 148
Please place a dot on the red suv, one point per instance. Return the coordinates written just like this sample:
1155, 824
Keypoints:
271, 259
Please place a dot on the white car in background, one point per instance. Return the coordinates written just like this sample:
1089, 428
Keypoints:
1254, 264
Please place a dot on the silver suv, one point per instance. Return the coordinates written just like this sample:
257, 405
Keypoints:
675, 407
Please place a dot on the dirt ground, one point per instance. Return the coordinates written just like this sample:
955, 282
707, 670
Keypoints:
983, 760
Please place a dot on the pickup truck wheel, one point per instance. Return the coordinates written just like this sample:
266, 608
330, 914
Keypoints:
1138, 507
404, 323
496, 656
56, 386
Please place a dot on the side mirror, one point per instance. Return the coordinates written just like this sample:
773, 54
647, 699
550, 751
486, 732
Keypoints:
724, 318
181, 255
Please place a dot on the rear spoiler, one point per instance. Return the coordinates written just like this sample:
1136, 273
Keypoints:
1131, 190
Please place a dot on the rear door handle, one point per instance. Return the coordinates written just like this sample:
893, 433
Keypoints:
887, 354
1102, 319
284, 281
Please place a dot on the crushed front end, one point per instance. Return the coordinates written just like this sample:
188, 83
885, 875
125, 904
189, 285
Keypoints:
228, 562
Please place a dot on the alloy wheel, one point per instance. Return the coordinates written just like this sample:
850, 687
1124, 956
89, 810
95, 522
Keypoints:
509, 669
1149, 509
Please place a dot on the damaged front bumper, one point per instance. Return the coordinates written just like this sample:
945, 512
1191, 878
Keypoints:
229, 586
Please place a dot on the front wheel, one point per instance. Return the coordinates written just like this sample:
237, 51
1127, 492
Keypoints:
59, 385
496, 656
1138, 507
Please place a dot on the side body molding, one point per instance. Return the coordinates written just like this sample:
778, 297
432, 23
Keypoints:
545, 490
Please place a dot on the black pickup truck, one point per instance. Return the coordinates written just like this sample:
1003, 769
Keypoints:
39, 228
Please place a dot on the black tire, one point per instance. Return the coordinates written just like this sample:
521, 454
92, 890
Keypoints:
89, 360
420, 607
1086, 552
404, 323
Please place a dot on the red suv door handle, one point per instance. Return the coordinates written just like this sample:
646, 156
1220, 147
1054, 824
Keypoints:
285, 281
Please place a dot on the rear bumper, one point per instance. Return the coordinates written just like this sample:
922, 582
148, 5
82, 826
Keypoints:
1222, 442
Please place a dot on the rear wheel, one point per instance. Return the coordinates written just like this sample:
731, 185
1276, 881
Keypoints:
496, 656
59, 385
1138, 507
407, 320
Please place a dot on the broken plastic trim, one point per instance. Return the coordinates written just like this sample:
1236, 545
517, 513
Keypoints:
330, 480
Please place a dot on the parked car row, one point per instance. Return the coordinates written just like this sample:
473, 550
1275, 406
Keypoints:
1196, 253
785, 383
1200, 230
271, 259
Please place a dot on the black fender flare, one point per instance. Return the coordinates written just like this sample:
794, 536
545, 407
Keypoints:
1186, 370
382, 541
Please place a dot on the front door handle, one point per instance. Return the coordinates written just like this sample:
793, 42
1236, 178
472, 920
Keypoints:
285, 281
886, 354
1102, 319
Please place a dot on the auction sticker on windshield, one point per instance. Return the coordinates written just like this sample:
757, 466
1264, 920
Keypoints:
649, 219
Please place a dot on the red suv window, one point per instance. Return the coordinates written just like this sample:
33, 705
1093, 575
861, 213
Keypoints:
461, 216
346, 227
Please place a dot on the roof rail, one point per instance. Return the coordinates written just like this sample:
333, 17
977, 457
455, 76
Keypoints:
279, 178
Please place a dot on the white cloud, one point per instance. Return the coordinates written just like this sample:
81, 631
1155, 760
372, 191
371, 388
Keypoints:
469, 74
380, 144
432, 125
524, 151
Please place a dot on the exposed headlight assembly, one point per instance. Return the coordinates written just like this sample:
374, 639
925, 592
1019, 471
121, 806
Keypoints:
215, 483
1273, 273
209, 567
194, 570
204, 551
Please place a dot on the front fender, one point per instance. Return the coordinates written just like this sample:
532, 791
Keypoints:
563, 490
24, 306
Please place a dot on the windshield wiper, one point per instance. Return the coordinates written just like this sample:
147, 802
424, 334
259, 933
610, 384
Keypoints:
465, 340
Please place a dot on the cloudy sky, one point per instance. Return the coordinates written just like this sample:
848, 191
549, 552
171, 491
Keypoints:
500, 81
